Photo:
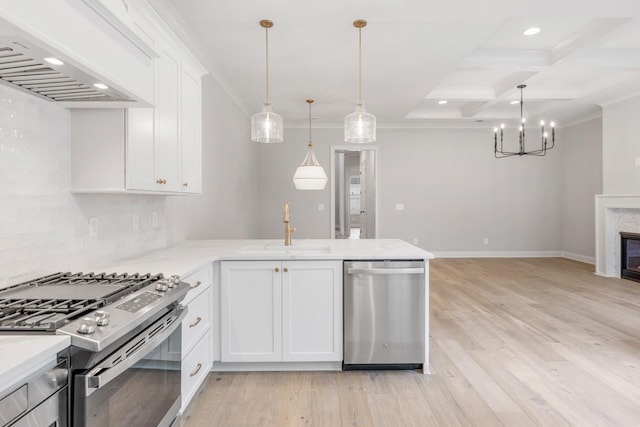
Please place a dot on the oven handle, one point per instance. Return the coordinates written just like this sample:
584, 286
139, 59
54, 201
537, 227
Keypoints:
109, 373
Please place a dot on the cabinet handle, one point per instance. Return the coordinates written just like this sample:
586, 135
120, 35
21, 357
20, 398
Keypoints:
198, 283
161, 181
194, 373
185, 184
198, 319
286, 269
277, 270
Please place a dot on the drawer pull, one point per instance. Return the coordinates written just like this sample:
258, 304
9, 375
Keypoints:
198, 319
194, 373
198, 283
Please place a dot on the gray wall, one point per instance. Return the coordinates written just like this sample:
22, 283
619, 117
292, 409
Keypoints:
581, 149
227, 208
454, 191
621, 150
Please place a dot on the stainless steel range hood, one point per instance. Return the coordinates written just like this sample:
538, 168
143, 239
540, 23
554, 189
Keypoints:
23, 66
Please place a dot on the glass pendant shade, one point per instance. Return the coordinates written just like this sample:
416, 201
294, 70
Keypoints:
266, 126
360, 126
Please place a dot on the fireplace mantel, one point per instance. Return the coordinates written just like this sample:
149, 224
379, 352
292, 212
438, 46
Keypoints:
606, 232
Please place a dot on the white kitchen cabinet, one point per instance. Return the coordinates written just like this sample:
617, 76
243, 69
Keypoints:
281, 311
196, 336
190, 132
144, 150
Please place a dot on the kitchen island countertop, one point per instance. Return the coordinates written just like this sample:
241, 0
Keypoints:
186, 257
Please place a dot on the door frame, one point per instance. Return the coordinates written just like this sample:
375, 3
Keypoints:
332, 182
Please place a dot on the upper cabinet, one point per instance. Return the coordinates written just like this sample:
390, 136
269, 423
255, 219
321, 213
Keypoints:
151, 150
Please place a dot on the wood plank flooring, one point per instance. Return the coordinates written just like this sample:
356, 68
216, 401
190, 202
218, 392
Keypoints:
514, 342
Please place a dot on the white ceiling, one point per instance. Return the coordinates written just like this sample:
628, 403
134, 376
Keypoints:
471, 53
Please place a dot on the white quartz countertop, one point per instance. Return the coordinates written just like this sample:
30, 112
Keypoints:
21, 355
188, 256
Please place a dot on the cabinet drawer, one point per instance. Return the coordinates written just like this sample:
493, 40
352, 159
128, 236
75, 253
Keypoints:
195, 367
199, 282
197, 321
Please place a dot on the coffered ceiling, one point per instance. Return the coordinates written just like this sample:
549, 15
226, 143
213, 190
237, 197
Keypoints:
470, 53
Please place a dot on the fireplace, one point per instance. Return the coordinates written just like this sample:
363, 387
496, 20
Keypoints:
630, 256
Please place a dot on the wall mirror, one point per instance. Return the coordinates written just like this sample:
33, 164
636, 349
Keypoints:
354, 192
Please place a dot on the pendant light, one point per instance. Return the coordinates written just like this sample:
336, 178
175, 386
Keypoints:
266, 126
360, 126
310, 175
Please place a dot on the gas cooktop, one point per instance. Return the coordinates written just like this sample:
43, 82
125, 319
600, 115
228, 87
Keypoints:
45, 304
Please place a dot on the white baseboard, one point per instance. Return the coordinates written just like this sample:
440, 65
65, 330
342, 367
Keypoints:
580, 258
499, 254
517, 254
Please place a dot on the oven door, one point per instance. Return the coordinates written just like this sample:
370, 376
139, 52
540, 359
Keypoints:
137, 385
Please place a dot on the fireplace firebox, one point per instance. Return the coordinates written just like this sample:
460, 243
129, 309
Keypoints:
630, 256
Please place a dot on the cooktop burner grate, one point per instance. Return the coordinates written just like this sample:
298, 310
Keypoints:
48, 303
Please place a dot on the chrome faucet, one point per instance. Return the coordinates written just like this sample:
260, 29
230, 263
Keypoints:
288, 229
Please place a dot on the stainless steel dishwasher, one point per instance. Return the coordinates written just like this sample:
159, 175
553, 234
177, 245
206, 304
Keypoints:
384, 314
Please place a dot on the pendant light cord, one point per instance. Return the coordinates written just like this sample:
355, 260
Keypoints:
309, 101
266, 37
360, 66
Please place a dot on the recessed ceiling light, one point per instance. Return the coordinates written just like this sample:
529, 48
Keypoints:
515, 101
531, 31
442, 101
54, 61
101, 86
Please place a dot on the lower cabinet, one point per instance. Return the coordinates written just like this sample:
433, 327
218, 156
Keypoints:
281, 311
197, 337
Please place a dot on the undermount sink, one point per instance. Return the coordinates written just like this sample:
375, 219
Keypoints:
279, 248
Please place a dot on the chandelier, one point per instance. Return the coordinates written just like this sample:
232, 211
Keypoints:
310, 175
266, 126
499, 151
360, 126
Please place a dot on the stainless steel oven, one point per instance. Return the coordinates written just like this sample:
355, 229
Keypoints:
125, 355
138, 384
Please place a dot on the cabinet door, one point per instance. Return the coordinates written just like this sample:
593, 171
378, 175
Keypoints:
191, 142
251, 311
312, 310
166, 141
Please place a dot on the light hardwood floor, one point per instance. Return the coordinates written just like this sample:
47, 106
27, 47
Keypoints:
514, 342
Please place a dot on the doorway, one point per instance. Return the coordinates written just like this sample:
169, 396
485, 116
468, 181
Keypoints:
354, 198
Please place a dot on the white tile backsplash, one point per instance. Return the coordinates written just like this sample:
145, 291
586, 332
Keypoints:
44, 228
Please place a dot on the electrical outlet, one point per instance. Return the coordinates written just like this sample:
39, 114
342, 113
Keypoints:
486, 241
135, 222
154, 220
399, 206
320, 206
637, 161
415, 240
93, 226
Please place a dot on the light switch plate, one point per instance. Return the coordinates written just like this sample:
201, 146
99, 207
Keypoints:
399, 206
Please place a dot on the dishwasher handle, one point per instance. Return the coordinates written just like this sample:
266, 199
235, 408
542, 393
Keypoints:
385, 271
